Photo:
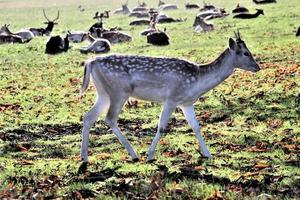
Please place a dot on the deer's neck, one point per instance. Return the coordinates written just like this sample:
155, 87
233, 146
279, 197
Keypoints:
49, 27
214, 73
257, 14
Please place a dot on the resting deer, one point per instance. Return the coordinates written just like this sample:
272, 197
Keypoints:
8, 38
57, 44
171, 81
124, 10
239, 9
207, 7
248, 15
191, 6
160, 3
98, 45
264, 1
25, 35
77, 36
168, 7
48, 29
202, 26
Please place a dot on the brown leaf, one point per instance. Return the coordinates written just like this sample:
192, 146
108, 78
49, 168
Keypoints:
103, 156
199, 168
216, 195
21, 148
248, 174
74, 81
256, 149
164, 142
25, 162
261, 166
8, 106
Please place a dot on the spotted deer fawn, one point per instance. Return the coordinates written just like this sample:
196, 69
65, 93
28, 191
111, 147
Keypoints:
170, 81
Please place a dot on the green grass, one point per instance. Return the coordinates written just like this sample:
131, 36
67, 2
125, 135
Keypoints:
250, 122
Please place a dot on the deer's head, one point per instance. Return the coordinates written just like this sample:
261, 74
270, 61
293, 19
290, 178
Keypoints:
242, 56
50, 23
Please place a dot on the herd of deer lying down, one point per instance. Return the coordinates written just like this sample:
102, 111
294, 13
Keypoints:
101, 38
172, 82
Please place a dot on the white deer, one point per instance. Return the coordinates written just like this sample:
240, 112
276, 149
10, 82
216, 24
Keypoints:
171, 81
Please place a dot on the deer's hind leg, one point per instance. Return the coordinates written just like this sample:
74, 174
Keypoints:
117, 102
90, 118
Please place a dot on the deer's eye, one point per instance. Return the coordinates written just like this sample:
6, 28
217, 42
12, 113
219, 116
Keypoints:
246, 54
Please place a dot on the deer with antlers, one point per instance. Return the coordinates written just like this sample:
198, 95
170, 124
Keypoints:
124, 10
50, 25
171, 81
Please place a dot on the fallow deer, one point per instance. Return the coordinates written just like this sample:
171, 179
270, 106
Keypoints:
139, 14
7, 37
168, 7
211, 14
160, 3
77, 36
207, 6
264, 1
139, 22
141, 7
26, 35
249, 15
98, 45
202, 26
191, 6
171, 81
154, 35
57, 44
124, 10
50, 25
239, 9
298, 32
116, 37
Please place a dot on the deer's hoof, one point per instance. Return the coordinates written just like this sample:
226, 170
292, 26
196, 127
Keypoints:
82, 168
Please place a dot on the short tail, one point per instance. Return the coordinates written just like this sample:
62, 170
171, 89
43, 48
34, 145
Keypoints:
86, 77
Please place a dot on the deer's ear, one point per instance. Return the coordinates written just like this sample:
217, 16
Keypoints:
232, 44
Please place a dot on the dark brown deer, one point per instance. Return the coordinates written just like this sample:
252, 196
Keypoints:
192, 6
264, 1
50, 25
240, 9
57, 44
248, 15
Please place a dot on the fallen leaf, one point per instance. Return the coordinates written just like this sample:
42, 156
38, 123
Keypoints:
199, 168
25, 162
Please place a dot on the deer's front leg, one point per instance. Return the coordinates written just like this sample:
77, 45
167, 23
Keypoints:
190, 116
163, 121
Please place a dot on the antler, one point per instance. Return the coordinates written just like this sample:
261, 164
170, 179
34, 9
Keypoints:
237, 34
57, 16
45, 15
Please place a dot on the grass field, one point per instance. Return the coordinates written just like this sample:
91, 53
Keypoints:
250, 122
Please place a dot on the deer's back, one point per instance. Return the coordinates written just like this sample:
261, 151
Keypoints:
152, 66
